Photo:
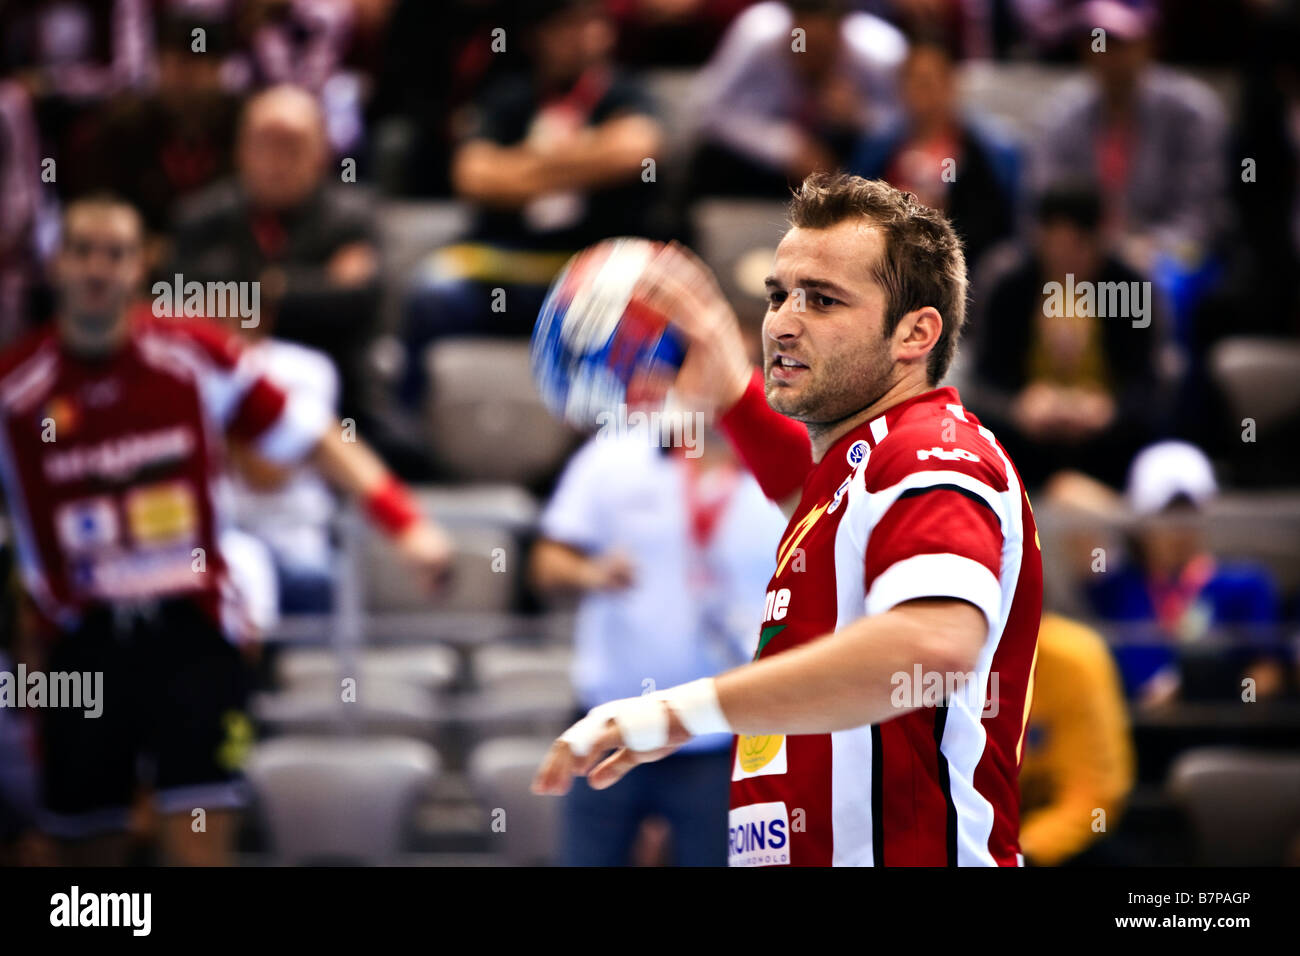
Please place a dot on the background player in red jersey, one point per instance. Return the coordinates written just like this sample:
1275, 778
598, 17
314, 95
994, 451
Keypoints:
113, 427
919, 544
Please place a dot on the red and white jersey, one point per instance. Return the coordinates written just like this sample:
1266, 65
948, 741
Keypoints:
919, 502
110, 467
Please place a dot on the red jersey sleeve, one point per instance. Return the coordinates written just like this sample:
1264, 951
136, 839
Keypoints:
940, 514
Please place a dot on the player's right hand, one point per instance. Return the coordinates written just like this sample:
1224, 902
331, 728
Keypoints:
717, 367
581, 750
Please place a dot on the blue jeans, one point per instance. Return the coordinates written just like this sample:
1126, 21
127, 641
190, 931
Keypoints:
691, 791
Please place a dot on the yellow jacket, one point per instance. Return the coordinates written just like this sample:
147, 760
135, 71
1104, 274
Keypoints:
1078, 756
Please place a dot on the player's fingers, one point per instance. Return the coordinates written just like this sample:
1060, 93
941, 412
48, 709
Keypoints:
608, 740
612, 769
556, 773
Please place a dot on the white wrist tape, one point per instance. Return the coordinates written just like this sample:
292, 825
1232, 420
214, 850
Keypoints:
642, 722
582, 736
696, 706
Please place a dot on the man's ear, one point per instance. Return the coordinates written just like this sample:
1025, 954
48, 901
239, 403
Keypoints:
918, 333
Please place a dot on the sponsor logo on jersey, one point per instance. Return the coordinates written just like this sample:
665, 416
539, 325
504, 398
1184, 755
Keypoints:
87, 524
791, 544
946, 454
839, 495
759, 756
63, 412
118, 458
758, 835
162, 513
857, 452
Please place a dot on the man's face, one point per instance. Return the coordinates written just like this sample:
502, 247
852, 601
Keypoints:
928, 87
1068, 249
827, 357
1120, 67
571, 41
281, 159
96, 271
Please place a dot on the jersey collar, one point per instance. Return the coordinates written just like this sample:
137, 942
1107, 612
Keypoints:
873, 431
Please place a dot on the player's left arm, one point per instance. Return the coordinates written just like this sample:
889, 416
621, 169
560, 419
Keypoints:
842, 680
931, 564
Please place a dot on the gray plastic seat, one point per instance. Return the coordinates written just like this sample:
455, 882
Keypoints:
525, 826
500, 666
1260, 378
381, 707
484, 419
1244, 806
340, 800
432, 667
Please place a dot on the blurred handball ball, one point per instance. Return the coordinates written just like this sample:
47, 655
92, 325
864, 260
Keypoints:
596, 344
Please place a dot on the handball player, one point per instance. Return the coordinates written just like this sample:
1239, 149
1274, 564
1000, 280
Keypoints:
882, 719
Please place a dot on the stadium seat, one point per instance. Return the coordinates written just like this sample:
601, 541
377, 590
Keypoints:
339, 800
502, 665
484, 575
1244, 806
737, 238
409, 231
500, 772
1260, 378
484, 420
542, 709
381, 707
431, 667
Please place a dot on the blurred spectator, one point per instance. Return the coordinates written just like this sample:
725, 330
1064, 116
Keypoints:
1062, 383
290, 512
434, 60
959, 165
1265, 298
1078, 754
669, 555
25, 207
671, 32
78, 49
309, 242
1174, 593
159, 147
968, 24
1153, 140
775, 104
305, 43
553, 162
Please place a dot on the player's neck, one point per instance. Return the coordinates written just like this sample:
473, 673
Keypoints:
824, 435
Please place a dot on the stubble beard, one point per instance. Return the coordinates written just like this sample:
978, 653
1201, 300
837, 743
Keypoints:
839, 392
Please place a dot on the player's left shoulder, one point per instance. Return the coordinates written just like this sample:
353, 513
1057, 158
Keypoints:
932, 437
214, 342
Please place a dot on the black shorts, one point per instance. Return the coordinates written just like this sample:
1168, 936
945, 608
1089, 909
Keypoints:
173, 716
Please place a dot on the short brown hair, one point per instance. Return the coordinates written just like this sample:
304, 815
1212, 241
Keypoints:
923, 263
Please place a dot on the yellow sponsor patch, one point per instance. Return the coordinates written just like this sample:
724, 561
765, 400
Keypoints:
162, 513
759, 755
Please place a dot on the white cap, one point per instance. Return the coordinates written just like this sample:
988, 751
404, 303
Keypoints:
1163, 471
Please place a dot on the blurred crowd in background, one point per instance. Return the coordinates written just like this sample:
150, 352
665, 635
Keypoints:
405, 177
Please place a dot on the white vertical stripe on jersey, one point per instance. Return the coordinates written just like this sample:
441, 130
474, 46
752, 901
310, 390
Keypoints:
851, 808
964, 738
